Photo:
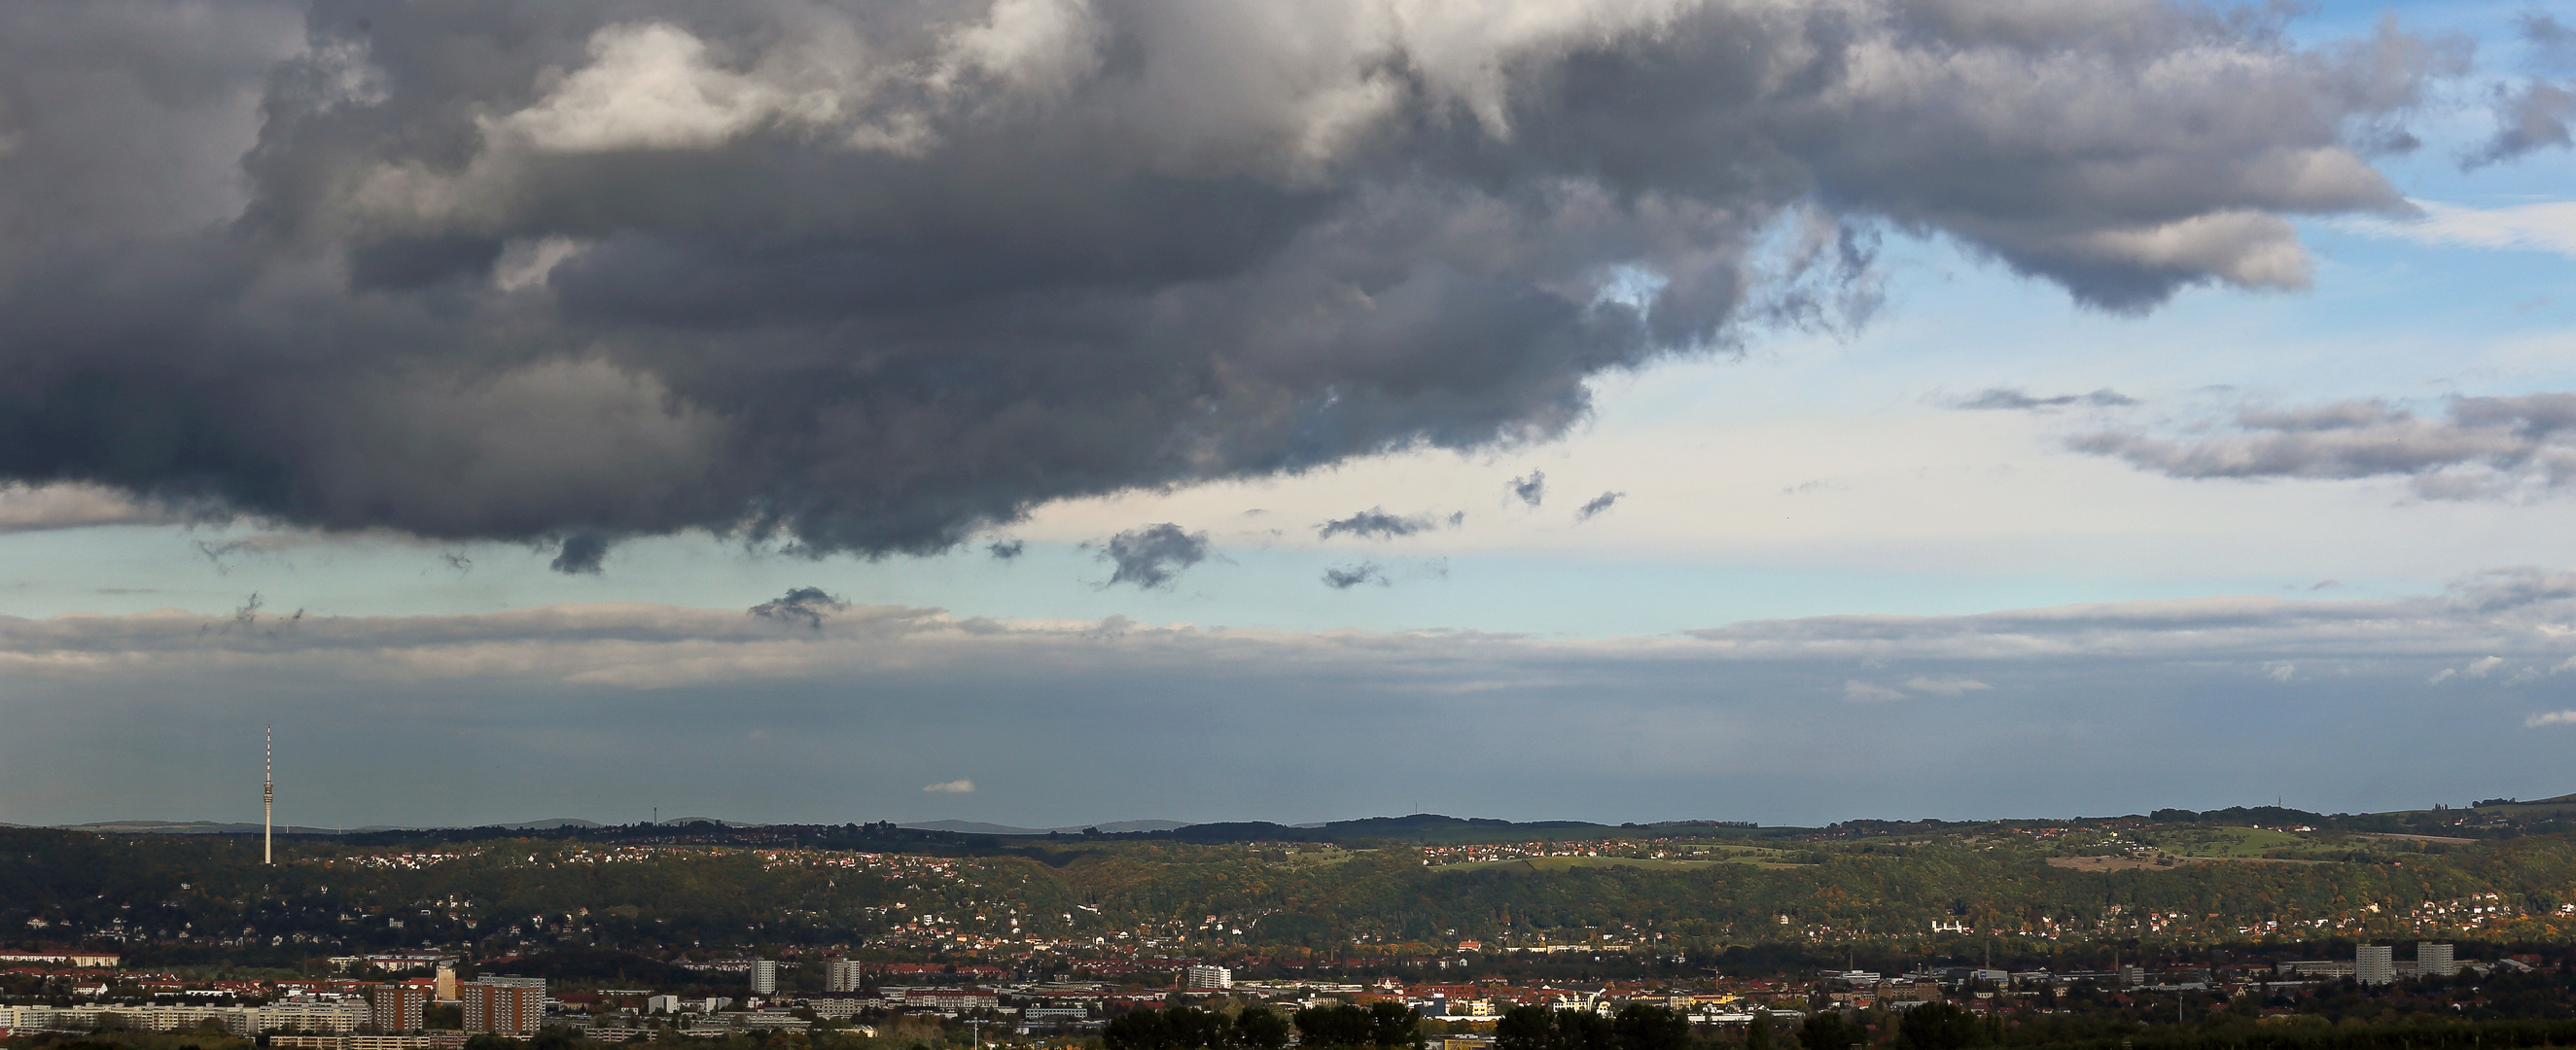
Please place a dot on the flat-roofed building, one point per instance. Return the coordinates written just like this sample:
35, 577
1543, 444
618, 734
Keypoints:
2375, 964
504, 1005
399, 1007
846, 975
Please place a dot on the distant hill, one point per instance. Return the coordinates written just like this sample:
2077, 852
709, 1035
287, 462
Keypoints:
976, 827
210, 827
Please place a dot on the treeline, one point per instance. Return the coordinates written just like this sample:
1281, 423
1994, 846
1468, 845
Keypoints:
1637, 1026
1383, 1025
2478, 1035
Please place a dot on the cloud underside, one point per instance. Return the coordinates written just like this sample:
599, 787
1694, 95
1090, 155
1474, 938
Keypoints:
869, 282
2482, 447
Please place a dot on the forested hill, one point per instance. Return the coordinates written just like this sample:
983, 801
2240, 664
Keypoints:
1898, 886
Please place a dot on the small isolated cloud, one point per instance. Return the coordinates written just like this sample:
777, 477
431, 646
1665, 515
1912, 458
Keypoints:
2325, 585
1346, 577
805, 605
1945, 685
2481, 447
265, 545
1598, 504
1006, 550
2441, 676
1376, 523
1530, 490
1860, 692
2482, 666
2550, 718
581, 554
1155, 555
959, 786
2004, 398
2281, 670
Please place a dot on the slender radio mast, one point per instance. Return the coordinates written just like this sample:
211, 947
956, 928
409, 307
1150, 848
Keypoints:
268, 798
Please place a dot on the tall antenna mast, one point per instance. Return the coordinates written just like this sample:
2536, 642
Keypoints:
268, 798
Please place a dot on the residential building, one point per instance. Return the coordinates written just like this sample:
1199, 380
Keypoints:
446, 984
398, 1007
764, 976
1208, 979
950, 999
2375, 964
2434, 960
86, 959
838, 1005
506, 1005
846, 975
324, 1016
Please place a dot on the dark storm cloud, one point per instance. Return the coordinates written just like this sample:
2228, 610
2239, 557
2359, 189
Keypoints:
1532, 489
1153, 556
1376, 524
2009, 398
1596, 505
1343, 578
801, 605
870, 279
2482, 447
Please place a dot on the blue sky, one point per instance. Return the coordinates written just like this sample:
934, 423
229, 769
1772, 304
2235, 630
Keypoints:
1797, 474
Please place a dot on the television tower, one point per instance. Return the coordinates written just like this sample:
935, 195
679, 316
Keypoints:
268, 798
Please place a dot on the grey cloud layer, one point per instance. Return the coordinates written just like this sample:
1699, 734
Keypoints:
2010, 398
855, 710
870, 277
2483, 447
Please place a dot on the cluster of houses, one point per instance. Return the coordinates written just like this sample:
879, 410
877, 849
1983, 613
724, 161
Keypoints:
393, 1014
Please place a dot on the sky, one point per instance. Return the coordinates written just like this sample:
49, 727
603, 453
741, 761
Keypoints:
1048, 412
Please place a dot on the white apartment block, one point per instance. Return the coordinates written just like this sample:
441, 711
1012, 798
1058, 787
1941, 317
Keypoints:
846, 975
2434, 960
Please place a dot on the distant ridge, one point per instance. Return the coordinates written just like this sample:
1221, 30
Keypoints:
976, 827
210, 827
